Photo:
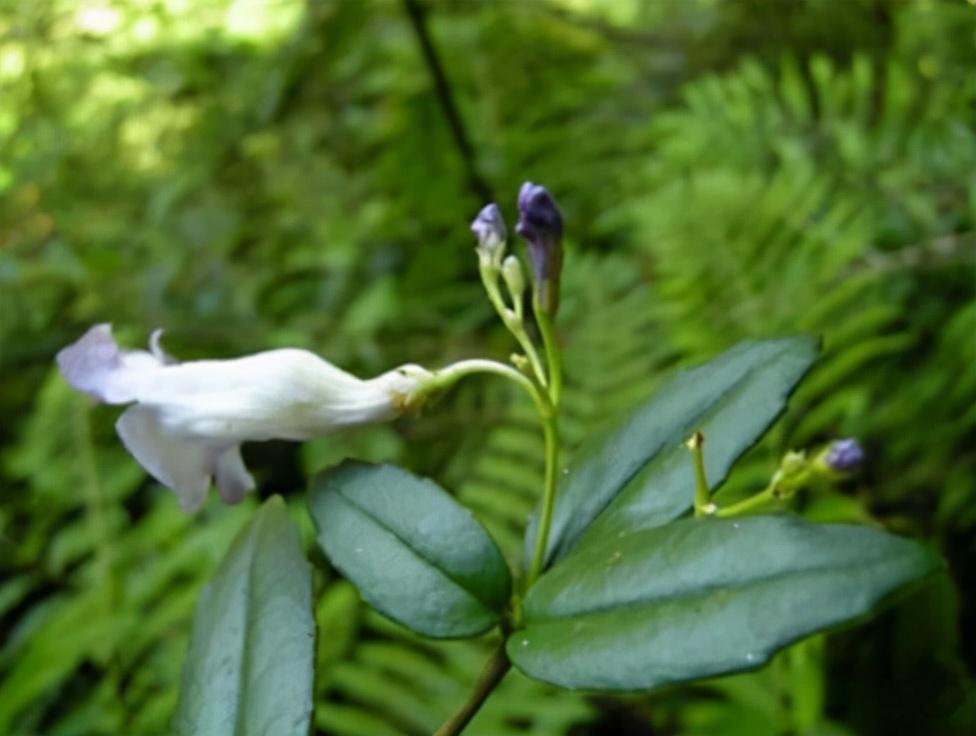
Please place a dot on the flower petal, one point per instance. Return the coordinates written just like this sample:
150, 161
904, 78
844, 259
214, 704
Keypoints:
231, 477
181, 464
279, 394
189, 419
95, 364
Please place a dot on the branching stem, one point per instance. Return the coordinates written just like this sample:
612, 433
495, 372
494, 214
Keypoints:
545, 392
764, 497
447, 377
514, 322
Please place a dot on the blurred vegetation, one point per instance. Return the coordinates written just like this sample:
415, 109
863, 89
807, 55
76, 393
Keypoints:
256, 173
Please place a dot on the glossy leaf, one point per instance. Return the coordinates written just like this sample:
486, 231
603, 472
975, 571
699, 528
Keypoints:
702, 597
249, 669
414, 552
640, 472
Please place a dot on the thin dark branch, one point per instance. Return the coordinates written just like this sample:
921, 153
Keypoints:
418, 20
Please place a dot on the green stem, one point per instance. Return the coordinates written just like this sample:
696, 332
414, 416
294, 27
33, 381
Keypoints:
552, 354
703, 504
495, 669
517, 329
447, 377
546, 402
513, 322
551, 431
762, 498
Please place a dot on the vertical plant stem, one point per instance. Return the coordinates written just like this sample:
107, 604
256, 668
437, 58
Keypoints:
553, 359
703, 505
491, 675
551, 431
546, 397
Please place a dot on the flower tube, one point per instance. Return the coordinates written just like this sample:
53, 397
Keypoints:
187, 420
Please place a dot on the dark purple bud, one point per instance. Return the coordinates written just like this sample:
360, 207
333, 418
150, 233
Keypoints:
541, 224
489, 228
845, 456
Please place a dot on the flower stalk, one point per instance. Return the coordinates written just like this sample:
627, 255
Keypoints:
489, 228
540, 223
551, 434
553, 360
448, 376
765, 497
796, 470
513, 320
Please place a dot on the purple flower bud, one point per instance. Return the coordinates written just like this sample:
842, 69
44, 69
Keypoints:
541, 224
845, 456
489, 228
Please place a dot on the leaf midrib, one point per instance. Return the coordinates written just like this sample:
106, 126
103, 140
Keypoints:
487, 606
245, 668
691, 594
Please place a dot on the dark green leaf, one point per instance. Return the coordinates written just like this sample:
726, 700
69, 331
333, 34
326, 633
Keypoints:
413, 552
732, 399
702, 597
250, 665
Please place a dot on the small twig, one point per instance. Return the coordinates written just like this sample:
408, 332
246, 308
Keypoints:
418, 20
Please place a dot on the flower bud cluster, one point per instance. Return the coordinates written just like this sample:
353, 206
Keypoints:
540, 223
837, 460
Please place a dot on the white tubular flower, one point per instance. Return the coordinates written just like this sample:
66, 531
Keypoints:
188, 420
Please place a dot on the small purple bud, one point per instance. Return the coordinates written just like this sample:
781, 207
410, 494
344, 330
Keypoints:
489, 228
541, 224
845, 456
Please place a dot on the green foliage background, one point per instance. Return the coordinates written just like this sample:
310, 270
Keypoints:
257, 173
